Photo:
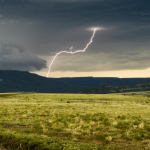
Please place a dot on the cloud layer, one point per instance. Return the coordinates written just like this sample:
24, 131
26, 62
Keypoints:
13, 57
45, 26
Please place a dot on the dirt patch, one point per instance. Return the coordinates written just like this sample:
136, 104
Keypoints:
8, 126
2, 148
16, 127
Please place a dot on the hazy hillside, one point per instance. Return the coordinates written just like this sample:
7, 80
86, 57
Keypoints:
95, 81
13, 81
104, 88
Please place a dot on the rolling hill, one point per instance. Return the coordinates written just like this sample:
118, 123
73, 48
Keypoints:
22, 81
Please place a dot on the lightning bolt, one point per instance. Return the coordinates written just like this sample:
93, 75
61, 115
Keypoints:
70, 52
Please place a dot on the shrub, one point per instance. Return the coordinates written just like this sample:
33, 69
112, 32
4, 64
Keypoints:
102, 138
123, 125
59, 129
121, 117
135, 122
106, 122
137, 137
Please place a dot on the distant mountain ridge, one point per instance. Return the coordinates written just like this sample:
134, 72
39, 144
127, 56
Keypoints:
95, 81
23, 81
105, 88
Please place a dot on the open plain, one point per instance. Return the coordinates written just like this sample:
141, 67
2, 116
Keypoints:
75, 121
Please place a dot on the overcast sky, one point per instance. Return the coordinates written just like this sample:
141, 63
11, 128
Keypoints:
33, 31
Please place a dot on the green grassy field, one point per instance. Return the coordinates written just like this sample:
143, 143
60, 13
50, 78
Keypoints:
75, 121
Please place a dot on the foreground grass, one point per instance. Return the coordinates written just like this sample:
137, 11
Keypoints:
64, 121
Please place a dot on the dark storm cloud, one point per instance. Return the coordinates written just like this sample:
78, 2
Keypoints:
13, 57
45, 26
